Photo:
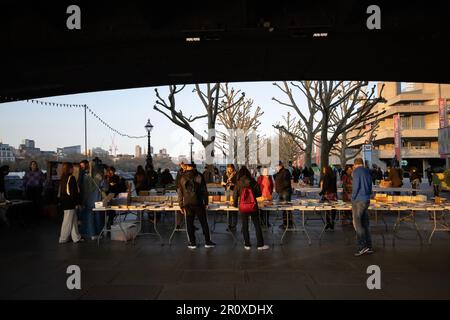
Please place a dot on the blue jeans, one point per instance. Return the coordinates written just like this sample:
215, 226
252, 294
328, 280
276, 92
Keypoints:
360, 210
92, 222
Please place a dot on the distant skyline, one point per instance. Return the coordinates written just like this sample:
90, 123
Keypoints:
127, 111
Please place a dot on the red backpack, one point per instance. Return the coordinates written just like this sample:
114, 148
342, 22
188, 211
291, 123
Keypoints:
248, 203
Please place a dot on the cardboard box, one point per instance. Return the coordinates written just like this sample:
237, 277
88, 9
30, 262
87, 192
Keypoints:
129, 228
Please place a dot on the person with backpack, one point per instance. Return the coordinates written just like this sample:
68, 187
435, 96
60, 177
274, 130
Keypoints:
193, 200
245, 193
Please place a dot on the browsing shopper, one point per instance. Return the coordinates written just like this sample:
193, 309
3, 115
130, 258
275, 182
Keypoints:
193, 200
245, 194
70, 202
361, 194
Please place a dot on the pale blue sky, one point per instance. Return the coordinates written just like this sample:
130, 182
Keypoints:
126, 111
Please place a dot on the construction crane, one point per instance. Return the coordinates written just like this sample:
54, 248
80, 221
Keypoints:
113, 147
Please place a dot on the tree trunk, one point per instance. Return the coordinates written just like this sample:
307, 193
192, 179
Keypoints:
308, 150
324, 153
324, 143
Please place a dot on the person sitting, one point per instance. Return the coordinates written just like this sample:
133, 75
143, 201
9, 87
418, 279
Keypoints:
244, 198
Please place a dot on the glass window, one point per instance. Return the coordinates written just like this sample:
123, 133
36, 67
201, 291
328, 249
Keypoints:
413, 122
418, 122
407, 86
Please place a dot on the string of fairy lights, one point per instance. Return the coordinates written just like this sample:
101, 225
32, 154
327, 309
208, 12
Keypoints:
70, 105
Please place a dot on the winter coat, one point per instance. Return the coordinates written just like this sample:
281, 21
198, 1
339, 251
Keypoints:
266, 186
242, 183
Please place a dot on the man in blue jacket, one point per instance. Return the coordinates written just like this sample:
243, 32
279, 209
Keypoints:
361, 194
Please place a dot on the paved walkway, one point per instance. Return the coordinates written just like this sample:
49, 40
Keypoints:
33, 266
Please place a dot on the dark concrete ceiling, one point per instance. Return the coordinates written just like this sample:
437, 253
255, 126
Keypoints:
143, 43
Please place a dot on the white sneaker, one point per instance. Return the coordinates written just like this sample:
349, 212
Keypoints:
210, 245
247, 248
192, 247
265, 247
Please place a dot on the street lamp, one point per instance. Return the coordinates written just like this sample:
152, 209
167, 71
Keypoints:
191, 144
149, 160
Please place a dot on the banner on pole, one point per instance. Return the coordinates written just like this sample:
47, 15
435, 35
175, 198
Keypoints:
397, 138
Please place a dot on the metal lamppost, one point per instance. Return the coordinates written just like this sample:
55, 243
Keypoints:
191, 144
149, 160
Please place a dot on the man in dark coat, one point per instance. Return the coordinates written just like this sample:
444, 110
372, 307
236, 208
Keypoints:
193, 201
283, 188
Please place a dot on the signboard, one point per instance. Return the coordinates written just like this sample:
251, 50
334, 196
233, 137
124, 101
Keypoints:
443, 123
367, 153
442, 113
444, 141
397, 138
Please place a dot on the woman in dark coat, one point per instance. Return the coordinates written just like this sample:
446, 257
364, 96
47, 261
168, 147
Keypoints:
329, 193
140, 180
70, 202
246, 181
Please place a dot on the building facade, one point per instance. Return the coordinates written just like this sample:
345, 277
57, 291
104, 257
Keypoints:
138, 152
28, 147
65, 151
6, 153
99, 152
417, 106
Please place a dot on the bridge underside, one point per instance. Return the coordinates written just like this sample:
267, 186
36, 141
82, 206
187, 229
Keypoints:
144, 44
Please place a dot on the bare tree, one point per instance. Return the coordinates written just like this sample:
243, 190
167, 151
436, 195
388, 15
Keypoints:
308, 125
210, 99
343, 146
238, 115
290, 146
328, 97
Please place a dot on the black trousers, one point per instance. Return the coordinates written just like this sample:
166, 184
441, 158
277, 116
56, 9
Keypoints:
111, 214
264, 218
256, 223
232, 219
200, 212
34, 194
286, 196
333, 217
